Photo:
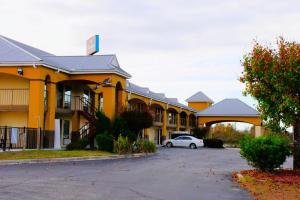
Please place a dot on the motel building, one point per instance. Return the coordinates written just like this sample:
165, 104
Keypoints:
46, 101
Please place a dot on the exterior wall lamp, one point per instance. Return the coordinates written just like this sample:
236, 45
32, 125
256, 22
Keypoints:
106, 83
20, 71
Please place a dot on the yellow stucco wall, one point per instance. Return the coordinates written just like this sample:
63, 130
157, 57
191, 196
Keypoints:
33, 79
211, 120
15, 119
13, 82
199, 105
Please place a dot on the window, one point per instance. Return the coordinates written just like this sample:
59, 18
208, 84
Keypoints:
100, 102
67, 97
60, 97
183, 121
158, 114
179, 138
186, 138
172, 118
45, 97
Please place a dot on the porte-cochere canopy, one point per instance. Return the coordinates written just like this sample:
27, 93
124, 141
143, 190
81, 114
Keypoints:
229, 110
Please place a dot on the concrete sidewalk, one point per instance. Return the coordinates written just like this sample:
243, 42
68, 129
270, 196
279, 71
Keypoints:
72, 159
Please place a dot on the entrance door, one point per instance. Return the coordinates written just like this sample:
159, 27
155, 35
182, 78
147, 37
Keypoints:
158, 136
66, 132
57, 134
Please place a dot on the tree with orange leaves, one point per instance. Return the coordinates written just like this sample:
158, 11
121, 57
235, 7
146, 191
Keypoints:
272, 77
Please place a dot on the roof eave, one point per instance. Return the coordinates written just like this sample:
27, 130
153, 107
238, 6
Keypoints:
222, 115
126, 75
173, 104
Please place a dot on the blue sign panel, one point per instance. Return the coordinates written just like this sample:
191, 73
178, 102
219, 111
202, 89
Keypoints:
93, 45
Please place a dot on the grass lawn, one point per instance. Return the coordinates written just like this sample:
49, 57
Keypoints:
283, 184
39, 154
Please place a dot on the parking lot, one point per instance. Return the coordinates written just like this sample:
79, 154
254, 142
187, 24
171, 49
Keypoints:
173, 173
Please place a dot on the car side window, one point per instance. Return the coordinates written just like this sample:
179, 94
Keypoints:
178, 138
186, 138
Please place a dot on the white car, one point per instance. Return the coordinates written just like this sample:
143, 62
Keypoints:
184, 141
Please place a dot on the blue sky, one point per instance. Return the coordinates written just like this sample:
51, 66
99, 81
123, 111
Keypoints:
176, 47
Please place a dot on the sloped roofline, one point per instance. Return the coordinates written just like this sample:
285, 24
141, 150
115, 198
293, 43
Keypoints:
206, 98
40, 61
203, 113
20, 48
163, 100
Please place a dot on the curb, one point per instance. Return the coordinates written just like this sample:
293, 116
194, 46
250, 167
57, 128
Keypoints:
72, 159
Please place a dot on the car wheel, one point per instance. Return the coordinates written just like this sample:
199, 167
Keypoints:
169, 144
193, 146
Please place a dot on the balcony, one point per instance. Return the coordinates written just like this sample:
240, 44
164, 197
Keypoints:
14, 99
172, 123
157, 119
182, 122
67, 104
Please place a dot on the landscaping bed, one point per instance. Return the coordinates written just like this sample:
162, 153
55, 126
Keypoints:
281, 184
40, 154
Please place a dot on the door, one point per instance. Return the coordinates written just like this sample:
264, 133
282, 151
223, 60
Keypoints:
57, 134
186, 141
66, 132
178, 141
158, 136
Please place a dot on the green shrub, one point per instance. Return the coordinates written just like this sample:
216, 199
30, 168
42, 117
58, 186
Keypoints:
105, 142
119, 127
77, 145
122, 145
213, 143
137, 146
200, 132
148, 146
143, 146
102, 124
265, 152
137, 121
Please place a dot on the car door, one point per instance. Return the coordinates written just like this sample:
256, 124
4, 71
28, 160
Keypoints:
178, 142
186, 141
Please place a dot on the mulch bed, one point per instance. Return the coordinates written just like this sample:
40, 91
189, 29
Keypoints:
280, 184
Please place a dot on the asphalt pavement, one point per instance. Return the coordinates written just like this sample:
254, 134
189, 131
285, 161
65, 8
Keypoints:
176, 173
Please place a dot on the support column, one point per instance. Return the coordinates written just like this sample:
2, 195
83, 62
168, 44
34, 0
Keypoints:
36, 107
50, 115
188, 123
122, 101
146, 133
178, 122
258, 131
164, 125
109, 104
36, 104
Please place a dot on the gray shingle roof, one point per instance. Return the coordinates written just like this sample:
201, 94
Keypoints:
199, 97
229, 107
86, 63
12, 51
143, 91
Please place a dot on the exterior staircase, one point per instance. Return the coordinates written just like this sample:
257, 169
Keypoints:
88, 111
